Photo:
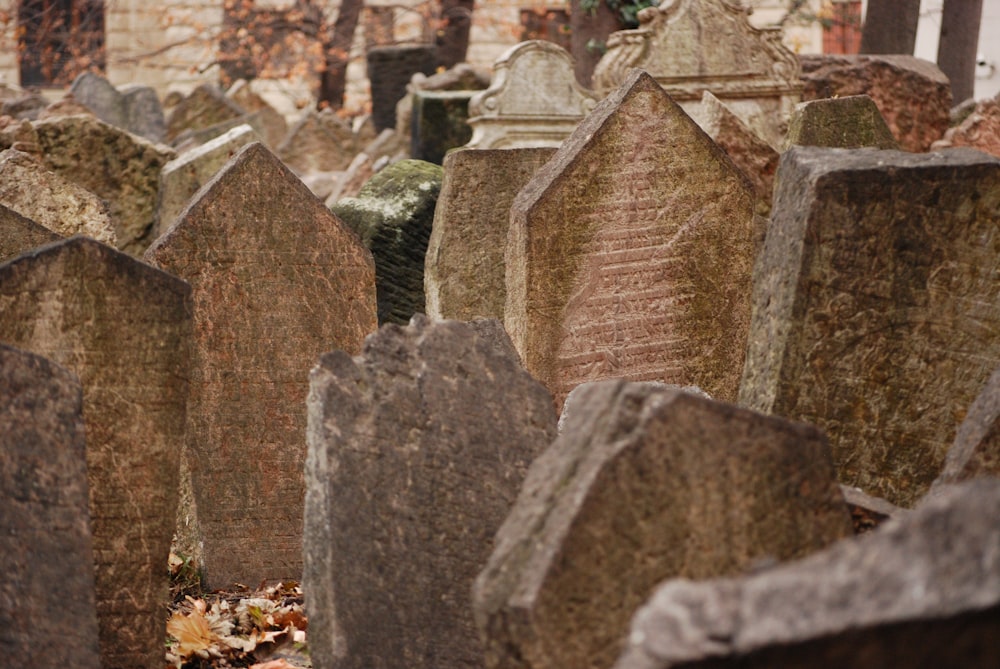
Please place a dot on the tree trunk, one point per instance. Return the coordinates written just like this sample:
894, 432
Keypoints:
588, 36
890, 26
957, 48
453, 37
337, 51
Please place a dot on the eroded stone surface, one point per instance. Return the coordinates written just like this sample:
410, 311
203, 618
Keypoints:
135, 108
848, 122
319, 142
19, 234
417, 449
206, 106
976, 450
277, 280
979, 130
645, 483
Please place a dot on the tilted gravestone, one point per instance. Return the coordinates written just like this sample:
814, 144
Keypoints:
920, 592
979, 130
274, 127
416, 451
976, 450
848, 122
47, 607
645, 483
876, 310
630, 252
393, 214
19, 234
319, 142
464, 266
134, 108
276, 280
206, 106
124, 328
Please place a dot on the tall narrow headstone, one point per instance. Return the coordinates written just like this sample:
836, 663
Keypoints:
19, 234
123, 327
47, 607
645, 483
630, 252
277, 280
417, 449
877, 306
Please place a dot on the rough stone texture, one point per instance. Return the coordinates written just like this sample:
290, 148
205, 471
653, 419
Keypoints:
19, 234
462, 77
976, 451
384, 150
135, 108
876, 306
417, 449
181, 178
439, 123
277, 280
273, 126
534, 99
47, 608
922, 592
645, 483
206, 106
389, 71
113, 164
913, 95
757, 159
393, 215
52, 201
979, 130
65, 106
124, 328
464, 266
26, 106
848, 122
319, 142
630, 252
693, 46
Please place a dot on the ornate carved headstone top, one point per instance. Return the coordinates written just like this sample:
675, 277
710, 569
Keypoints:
534, 99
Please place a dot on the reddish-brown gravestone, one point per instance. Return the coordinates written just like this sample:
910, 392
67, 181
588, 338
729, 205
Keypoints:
19, 234
277, 280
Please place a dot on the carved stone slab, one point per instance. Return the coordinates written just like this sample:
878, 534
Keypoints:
645, 483
134, 108
19, 234
48, 615
920, 592
464, 270
417, 449
534, 99
123, 327
877, 306
849, 122
630, 252
277, 279
976, 451
693, 46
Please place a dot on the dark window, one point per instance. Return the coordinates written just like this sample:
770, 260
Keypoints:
59, 39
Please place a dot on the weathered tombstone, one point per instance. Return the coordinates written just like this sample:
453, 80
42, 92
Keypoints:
27, 106
416, 451
866, 309
47, 607
123, 327
976, 450
389, 71
135, 108
206, 106
693, 46
393, 215
464, 265
912, 94
384, 150
143, 111
52, 201
646, 483
979, 130
113, 164
277, 280
630, 252
850, 122
462, 77
921, 592
319, 142
19, 234
181, 178
534, 99
274, 127
439, 123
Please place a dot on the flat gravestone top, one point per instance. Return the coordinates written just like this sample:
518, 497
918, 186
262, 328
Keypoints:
848, 122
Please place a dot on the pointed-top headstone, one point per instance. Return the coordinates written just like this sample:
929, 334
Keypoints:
19, 234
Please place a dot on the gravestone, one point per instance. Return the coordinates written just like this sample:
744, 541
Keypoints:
877, 281
630, 252
921, 592
319, 142
206, 106
462, 77
52, 201
393, 215
276, 280
693, 46
273, 126
384, 150
534, 99
645, 483
979, 130
181, 178
976, 450
464, 266
439, 123
850, 122
416, 451
389, 71
47, 608
19, 234
135, 108
912, 94
123, 328
113, 164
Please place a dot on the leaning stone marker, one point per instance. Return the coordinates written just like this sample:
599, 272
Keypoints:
877, 306
416, 451
47, 609
920, 592
630, 252
19, 234
123, 327
976, 451
645, 483
277, 280
848, 123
